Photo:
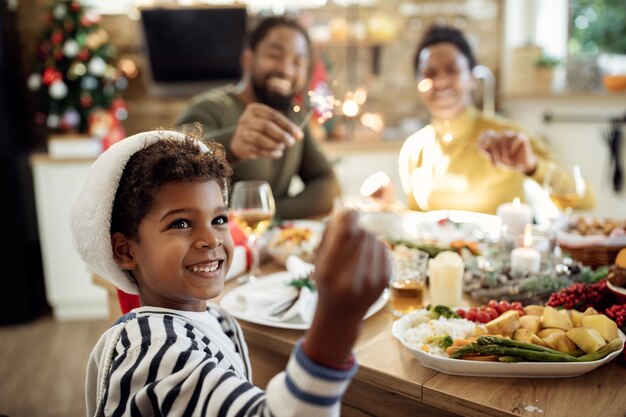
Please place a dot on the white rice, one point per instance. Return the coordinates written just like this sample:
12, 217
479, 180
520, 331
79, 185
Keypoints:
417, 336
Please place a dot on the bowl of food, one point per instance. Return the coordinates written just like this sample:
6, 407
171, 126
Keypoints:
296, 237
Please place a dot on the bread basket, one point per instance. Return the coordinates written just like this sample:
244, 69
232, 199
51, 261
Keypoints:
591, 250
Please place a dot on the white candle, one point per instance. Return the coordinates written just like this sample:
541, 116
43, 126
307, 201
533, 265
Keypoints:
514, 216
526, 259
445, 279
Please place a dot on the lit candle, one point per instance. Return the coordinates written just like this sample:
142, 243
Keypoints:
445, 279
514, 216
526, 259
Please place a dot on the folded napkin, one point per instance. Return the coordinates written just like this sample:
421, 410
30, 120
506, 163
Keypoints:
297, 267
263, 301
282, 302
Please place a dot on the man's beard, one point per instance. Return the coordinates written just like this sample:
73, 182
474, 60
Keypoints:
274, 100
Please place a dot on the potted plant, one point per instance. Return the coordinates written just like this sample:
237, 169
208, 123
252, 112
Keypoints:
544, 72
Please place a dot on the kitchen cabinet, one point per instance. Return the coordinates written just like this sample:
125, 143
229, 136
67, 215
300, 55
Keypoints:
70, 291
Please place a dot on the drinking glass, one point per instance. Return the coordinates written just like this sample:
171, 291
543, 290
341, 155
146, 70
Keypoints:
252, 207
565, 188
408, 282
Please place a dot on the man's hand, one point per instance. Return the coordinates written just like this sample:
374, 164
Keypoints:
509, 148
352, 269
263, 132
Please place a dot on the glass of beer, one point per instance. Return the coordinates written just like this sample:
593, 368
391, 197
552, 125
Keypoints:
408, 281
252, 207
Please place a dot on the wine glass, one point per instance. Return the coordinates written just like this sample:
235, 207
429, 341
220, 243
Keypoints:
252, 208
565, 188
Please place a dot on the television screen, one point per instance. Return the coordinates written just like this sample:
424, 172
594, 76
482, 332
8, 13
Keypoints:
194, 44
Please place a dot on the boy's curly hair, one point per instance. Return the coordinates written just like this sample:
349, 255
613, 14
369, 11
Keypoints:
163, 162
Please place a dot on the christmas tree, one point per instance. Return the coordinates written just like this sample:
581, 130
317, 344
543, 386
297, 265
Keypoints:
74, 77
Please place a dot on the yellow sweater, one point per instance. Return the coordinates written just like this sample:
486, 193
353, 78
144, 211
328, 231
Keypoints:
441, 167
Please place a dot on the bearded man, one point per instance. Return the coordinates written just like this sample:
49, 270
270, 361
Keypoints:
255, 120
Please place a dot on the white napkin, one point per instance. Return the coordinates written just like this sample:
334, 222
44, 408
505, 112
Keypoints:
307, 299
304, 307
282, 302
297, 267
264, 300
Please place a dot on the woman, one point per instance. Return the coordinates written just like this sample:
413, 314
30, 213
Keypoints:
464, 159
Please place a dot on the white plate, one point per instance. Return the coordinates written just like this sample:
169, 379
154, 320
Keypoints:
499, 369
230, 304
420, 226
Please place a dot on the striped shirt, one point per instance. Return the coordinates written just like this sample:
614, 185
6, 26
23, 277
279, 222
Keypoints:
158, 362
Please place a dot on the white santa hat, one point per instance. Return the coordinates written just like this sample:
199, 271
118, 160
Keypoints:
90, 219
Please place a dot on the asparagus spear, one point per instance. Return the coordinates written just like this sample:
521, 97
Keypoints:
505, 347
605, 350
498, 350
494, 340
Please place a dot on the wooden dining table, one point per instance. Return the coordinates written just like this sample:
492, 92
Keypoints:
392, 382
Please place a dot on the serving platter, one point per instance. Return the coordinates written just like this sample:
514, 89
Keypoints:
498, 369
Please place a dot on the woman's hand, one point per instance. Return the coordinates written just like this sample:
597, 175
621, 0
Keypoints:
509, 148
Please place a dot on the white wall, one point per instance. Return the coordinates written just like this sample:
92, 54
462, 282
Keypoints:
577, 142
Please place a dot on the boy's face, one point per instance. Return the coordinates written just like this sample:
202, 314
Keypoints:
184, 247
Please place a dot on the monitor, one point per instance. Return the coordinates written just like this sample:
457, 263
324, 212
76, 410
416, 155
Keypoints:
193, 46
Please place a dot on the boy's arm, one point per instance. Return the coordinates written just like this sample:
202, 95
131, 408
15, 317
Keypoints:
352, 270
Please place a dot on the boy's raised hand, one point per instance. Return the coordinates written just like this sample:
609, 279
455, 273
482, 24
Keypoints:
352, 269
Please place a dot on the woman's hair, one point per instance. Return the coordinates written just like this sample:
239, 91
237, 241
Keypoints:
161, 163
440, 34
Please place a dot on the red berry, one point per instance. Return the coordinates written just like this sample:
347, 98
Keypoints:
482, 317
493, 313
503, 306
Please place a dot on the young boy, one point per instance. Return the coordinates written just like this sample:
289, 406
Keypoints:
152, 219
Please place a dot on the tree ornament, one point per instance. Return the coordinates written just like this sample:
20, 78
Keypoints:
60, 11
83, 54
68, 25
77, 69
52, 121
96, 66
34, 81
57, 37
58, 90
57, 54
86, 100
121, 83
89, 83
50, 75
71, 48
70, 119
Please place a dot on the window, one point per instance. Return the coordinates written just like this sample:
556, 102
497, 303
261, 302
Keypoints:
597, 26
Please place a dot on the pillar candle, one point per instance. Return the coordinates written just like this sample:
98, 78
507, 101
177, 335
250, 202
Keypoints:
445, 279
514, 216
526, 259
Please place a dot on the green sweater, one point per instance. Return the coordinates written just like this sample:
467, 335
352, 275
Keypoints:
220, 110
